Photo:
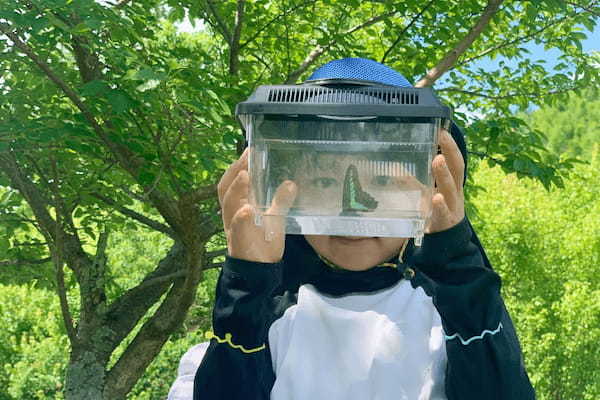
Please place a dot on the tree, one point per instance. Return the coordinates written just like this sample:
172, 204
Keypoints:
109, 118
543, 244
572, 127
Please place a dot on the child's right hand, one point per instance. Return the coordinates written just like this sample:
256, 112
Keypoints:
245, 240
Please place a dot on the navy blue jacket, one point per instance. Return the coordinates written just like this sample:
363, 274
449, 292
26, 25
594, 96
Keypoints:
484, 359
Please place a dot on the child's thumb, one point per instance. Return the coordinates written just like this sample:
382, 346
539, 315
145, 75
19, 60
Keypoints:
283, 199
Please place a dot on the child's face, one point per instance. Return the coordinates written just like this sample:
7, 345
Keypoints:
320, 182
322, 178
355, 253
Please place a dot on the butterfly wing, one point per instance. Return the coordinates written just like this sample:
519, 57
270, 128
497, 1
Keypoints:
354, 197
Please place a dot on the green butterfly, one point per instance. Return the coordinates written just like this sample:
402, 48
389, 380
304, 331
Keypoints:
354, 197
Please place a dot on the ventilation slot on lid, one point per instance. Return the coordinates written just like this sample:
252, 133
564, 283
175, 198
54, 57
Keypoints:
342, 96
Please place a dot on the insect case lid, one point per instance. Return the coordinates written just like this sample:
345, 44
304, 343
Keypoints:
345, 101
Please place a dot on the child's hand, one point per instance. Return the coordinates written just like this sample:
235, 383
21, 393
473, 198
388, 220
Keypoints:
448, 203
245, 240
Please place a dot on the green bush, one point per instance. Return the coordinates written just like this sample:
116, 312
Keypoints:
546, 247
161, 374
38, 375
33, 346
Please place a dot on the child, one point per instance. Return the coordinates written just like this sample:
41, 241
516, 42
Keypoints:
333, 317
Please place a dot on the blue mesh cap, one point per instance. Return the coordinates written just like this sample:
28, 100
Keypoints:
360, 69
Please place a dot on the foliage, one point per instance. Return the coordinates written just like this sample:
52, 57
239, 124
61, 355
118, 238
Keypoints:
546, 245
33, 347
39, 374
111, 120
19, 241
572, 127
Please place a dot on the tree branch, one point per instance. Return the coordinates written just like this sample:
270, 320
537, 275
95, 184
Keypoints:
509, 95
125, 312
214, 265
224, 29
406, 28
30, 244
64, 246
88, 64
70, 93
486, 155
319, 50
217, 253
146, 344
136, 216
202, 194
450, 58
138, 196
126, 158
272, 20
584, 7
181, 274
24, 261
122, 4
511, 42
35, 198
63, 213
234, 45
62, 296
169, 278
92, 283
153, 334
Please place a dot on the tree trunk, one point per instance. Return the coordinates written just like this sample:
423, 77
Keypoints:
85, 375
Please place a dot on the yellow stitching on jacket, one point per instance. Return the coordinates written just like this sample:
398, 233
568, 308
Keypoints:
210, 335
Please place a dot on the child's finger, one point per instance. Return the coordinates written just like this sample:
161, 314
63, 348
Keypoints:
242, 222
283, 199
445, 181
441, 217
231, 173
235, 197
454, 158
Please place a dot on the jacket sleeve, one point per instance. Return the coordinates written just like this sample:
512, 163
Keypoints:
237, 364
484, 359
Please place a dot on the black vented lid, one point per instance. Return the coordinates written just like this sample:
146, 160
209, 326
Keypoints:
345, 101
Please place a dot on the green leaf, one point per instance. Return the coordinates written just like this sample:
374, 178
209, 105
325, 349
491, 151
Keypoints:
90, 232
39, 24
80, 28
4, 245
57, 22
215, 115
230, 139
149, 73
148, 85
119, 101
146, 178
93, 23
78, 213
95, 88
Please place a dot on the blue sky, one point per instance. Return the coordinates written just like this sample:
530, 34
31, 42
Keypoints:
592, 43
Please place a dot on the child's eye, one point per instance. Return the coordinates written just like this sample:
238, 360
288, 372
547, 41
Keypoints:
324, 182
381, 180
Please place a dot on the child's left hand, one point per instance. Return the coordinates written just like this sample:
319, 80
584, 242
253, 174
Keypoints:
448, 202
